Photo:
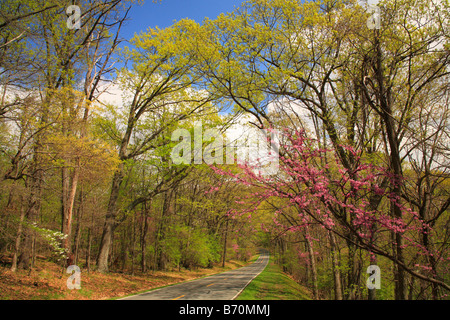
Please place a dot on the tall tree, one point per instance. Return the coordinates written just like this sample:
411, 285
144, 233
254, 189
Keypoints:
162, 93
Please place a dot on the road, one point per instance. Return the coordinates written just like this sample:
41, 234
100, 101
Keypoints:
223, 286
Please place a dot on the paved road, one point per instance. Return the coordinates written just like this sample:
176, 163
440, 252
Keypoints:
224, 286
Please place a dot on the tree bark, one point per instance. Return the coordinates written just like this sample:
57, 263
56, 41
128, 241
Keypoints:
161, 257
34, 206
224, 254
336, 272
68, 206
18, 238
372, 293
144, 236
312, 262
110, 223
78, 228
395, 166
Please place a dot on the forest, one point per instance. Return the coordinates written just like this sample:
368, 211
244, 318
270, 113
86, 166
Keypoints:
352, 104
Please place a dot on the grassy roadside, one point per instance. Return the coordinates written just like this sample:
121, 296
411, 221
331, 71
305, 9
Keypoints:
273, 284
47, 282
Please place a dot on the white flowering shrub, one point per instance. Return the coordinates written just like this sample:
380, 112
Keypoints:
53, 238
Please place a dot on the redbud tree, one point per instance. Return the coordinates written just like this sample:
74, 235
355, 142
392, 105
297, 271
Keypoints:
355, 204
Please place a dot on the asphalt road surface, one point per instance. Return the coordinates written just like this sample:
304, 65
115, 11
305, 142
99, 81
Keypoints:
223, 286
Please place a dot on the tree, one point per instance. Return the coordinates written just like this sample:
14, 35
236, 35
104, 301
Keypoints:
336, 199
162, 93
320, 57
51, 71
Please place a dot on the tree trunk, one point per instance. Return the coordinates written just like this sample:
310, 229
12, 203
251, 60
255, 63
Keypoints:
110, 219
372, 293
78, 229
395, 166
69, 205
88, 254
133, 242
352, 282
110, 223
18, 238
105, 244
336, 272
65, 181
34, 206
312, 262
224, 254
144, 236
161, 257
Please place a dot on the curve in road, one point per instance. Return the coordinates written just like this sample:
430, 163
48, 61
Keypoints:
223, 286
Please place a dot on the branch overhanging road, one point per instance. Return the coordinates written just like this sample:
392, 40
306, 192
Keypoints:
223, 286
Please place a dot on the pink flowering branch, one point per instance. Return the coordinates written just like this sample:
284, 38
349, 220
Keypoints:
339, 199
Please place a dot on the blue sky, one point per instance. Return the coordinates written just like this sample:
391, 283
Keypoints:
164, 13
